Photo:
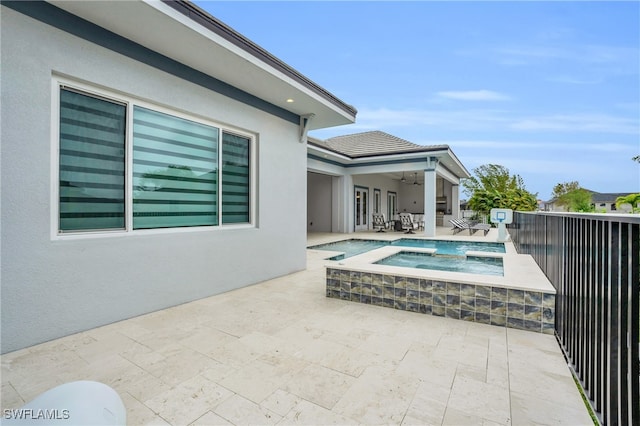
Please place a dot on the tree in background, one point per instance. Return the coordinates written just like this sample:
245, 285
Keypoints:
494, 187
573, 197
633, 199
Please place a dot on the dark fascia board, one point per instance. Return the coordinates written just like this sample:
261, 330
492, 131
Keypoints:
381, 161
203, 18
383, 154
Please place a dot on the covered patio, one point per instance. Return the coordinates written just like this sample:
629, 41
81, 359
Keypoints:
280, 352
351, 177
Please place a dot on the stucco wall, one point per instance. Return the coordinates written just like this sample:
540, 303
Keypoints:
319, 195
52, 288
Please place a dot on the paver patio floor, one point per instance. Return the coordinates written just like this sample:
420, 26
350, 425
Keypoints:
280, 352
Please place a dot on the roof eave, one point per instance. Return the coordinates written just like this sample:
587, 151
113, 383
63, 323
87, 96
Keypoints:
215, 50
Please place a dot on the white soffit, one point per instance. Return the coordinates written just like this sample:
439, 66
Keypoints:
163, 29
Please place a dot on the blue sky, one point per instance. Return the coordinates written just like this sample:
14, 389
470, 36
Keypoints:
550, 90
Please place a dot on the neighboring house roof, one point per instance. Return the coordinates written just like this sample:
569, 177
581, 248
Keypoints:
372, 143
610, 197
184, 40
599, 197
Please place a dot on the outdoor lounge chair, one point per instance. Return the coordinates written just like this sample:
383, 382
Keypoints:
380, 222
461, 224
407, 223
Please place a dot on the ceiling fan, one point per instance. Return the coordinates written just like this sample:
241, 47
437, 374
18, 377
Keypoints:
415, 179
403, 179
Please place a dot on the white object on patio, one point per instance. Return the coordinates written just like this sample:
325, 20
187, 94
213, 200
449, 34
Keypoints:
75, 403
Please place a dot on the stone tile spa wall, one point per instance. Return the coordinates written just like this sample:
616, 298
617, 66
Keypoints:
505, 307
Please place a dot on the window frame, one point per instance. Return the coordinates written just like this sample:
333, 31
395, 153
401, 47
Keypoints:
60, 83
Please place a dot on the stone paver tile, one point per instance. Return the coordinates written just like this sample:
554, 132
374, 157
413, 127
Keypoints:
468, 351
255, 381
319, 350
520, 360
138, 413
413, 421
527, 410
389, 347
498, 363
262, 343
180, 366
9, 397
319, 385
207, 340
188, 401
378, 396
235, 354
480, 399
472, 372
538, 341
281, 402
547, 386
308, 413
434, 370
140, 384
354, 361
211, 419
428, 405
455, 417
239, 410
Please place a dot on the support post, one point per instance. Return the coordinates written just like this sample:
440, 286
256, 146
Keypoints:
430, 199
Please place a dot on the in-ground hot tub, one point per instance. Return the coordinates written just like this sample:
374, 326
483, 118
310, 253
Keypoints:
521, 298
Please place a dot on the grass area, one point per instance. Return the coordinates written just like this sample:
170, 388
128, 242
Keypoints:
585, 399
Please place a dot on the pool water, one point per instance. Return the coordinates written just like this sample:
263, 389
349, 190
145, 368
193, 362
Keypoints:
355, 247
350, 247
471, 264
451, 247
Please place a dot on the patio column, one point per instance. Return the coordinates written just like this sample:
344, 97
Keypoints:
455, 201
340, 201
430, 199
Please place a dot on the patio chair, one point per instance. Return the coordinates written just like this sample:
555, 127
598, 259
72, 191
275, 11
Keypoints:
407, 223
462, 224
379, 222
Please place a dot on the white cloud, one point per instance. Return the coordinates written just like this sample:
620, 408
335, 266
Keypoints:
547, 146
406, 122
474, 95
579, 123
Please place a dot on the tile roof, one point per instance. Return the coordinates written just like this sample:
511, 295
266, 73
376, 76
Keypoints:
372, 143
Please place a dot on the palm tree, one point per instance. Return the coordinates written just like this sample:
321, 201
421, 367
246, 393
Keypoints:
633, 199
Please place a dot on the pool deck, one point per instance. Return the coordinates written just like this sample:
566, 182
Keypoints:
281, 352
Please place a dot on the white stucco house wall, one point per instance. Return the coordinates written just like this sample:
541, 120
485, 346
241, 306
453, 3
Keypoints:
352, 176
151, 156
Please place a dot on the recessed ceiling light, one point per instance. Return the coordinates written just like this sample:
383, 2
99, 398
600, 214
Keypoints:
290, 101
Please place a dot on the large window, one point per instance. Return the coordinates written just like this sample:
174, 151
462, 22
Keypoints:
175, 171
91, 163
235, 178
180, 170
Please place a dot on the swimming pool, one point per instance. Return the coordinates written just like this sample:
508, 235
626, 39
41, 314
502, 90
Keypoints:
451, 263
354, 247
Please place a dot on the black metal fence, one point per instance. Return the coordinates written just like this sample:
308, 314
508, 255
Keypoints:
593, 262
